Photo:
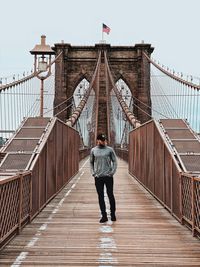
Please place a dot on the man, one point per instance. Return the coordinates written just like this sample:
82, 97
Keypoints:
103, 164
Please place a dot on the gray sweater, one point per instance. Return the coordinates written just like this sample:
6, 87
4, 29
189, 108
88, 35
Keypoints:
103, 161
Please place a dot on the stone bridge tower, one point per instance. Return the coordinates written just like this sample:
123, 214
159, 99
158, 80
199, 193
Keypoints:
126, 62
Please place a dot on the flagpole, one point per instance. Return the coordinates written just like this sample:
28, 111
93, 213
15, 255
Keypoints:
102, 33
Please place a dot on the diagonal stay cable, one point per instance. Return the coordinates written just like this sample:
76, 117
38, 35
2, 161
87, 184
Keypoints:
147, 107
75, 115
130, 116
49, 110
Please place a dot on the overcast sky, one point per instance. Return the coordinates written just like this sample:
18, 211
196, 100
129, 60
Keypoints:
171, 26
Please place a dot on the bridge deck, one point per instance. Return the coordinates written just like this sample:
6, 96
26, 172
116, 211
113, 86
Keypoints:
67, 232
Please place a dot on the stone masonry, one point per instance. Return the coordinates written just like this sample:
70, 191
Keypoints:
126, 62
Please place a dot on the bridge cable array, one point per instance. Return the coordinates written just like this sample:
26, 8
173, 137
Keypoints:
174, 96
189, 84
60, 104
21, 99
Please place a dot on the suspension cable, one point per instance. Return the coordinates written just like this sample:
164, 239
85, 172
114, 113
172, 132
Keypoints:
190, 84
15, 83
130, 116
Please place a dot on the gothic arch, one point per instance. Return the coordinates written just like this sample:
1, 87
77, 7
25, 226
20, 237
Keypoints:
126, 62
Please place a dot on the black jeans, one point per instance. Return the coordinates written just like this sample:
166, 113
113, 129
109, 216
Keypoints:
108, 182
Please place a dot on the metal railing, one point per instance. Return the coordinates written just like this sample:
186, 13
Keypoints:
190, 193
23, 195
153, 164
84, 152
122, 153
55, 164
15, 203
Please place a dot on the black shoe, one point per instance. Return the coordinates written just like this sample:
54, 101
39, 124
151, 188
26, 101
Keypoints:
103, 219
113, 218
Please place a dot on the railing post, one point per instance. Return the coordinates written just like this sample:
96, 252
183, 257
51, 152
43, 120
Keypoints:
30, 199
20, 201
193, 215
171, 188
181, 196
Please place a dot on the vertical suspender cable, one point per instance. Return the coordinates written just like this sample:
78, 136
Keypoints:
107, 98
191, 101
1, 112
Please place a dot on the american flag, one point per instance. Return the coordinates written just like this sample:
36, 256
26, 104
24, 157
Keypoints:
106, 28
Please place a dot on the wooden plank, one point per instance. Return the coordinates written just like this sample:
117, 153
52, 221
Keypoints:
68, 232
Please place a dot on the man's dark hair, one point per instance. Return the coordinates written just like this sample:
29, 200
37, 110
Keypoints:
101, 137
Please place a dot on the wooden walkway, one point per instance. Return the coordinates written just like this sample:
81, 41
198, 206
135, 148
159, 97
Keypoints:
68, 232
